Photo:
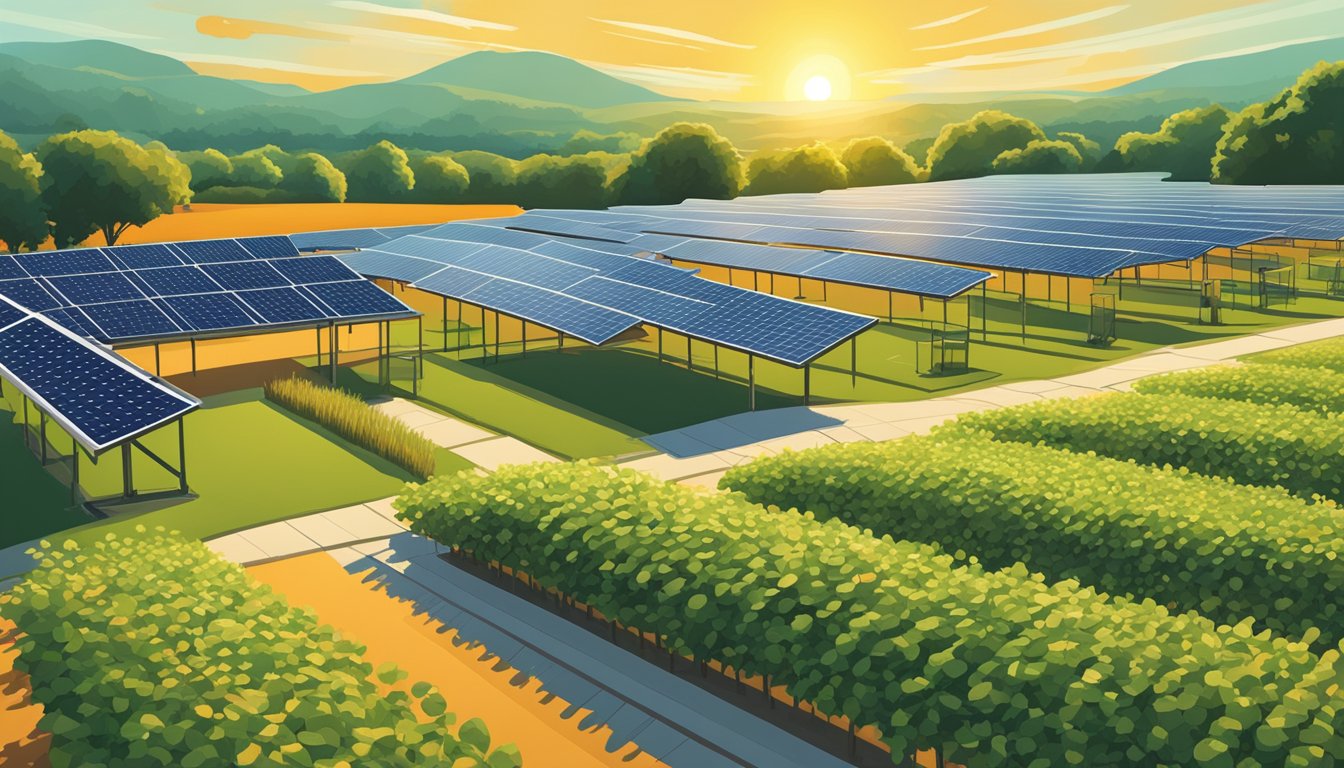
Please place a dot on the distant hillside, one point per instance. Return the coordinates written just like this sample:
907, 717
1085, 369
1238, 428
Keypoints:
1249, 77
98, 55
537, 76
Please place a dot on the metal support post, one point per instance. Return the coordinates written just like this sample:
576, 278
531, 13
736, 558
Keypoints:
127, 478
193, 350
807, 383
158, 369
854, 361
42, 434
331, 351
74, 475
751, 382
690, 366
181, 453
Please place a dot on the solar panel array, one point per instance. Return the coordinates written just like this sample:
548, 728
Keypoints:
597, 290
1080, 225
139, 292
350, 239
100, 399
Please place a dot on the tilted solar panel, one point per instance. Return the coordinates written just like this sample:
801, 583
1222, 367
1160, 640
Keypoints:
208, 311
269, 247
356, 298
312, 269
555, 226
452, 282
76, 262
281, 305
589, 322
541, 271
143, 256
245, 275
10, 269
477, 233
178, 281
95, 289
130, 319
212, 251
392, 266
29, 293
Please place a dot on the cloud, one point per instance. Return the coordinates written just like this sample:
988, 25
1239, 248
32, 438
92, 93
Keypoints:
72, 29
676, 77
950, 19
1035, 29
242, 29
389, 38
276, 64
420, 14
655, 42
678, 34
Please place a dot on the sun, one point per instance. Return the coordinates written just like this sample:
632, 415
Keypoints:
817, 88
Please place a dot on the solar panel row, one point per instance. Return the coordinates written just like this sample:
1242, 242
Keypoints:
352, 239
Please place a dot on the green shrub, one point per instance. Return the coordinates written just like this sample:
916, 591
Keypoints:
995, 668
353, 419
1328, 353
148, 650
1250, 443
1319, 391
1199, 543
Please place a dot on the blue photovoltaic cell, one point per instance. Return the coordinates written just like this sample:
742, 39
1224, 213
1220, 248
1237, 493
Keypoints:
402, 231
95, 289
588, 257
143, 256
636, 300
524, 267
76, 262
245, 275
74, 320
130, 319
281, 305
270, 247
213, 251
10, 269
29, 294
10, 315
102, 400
389, 265
313, 269
357, 297
593, 324
178, 281
209, 311
452, 282
477, 233
555, 226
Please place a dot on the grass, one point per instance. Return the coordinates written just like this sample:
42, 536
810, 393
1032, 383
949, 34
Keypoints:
356, 421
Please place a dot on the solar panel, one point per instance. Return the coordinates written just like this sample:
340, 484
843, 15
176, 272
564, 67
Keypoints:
557, 226
130, 319
476, 233
9, 314
338, 240
143, 256
212, 251
390, 266
356, 298
10, 269
245, 275
98, 398
313, 269
589, 322
208, 311
525, 267
269, 247
281, 305
95, 288
29, 293
76, 262
452, 282
178, 281
74, 320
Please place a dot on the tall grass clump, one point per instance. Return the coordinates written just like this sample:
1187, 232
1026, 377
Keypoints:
354, 420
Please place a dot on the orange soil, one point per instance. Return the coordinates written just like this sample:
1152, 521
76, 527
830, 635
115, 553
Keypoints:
522, 715
208, 220
21, 743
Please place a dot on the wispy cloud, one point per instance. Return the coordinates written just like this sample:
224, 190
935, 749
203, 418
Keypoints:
72, 29
655, 42
950, 19
389, 38
1035, 29
276, 64
678, 34
421, 14
687, 78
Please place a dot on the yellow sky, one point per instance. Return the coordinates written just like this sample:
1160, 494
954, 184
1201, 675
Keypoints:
738, 51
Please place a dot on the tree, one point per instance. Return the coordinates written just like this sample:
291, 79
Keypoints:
98, 181
966, 149
1183, 146
209, 168
809, 168
23, 217
180, 175
312, 178
681, 161
1088, 150
492, 176
1296, 138
1040, 156
546, 181
585, 141
279, 157
874, 161
440, 179
254, 170
379, 174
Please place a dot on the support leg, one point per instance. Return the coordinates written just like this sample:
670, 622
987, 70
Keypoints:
807, 384
751, 382
181, 454
127, 478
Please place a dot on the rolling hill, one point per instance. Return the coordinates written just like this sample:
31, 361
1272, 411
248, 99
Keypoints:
535, 76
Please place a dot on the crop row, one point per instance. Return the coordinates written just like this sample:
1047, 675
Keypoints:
1328, 353
994, 668
1247, 442
1194, 542
1320, 391
149, 650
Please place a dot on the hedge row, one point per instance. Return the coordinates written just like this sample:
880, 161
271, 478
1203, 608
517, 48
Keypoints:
356, 421
1250, 443
1328, 353
147, 650
1195, 542
1321, 391
994, 668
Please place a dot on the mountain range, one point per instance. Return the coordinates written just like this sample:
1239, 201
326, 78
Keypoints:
525, 102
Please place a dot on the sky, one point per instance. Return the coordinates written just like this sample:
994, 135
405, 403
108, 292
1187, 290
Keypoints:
747, 51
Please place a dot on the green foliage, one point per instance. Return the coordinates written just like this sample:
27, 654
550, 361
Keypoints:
23, 216
1327, 353
242, 196
966, 149
379, 174
281, 159
585, 141
874, 161
1250, 443
254, 170
147, 650
209, 168
98, 181
439, 179
1198, 543
1088, 149
491, 176
547, 181
809, 168
1296, 138
1320, 391
311, 178
1184, 145
995, 668
1040, 156
356, 421
683, 160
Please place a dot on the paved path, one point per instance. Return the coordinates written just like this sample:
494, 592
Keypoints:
482, 448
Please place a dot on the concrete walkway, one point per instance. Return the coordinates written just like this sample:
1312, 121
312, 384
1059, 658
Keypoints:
482, 448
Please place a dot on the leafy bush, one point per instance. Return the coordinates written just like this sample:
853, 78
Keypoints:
1183, 146
148, 650
995, 668
1040, 156
1328, 353
1250, 443
809, 168
1200, 543
1290, 139
874, 161
681, 161
1320, 391
968, 148
353, 419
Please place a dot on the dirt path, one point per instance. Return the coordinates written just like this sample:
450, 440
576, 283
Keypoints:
21, 743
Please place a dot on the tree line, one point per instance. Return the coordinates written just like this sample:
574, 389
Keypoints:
83, 182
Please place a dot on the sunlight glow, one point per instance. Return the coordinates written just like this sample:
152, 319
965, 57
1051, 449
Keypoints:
817, 88
818, 78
